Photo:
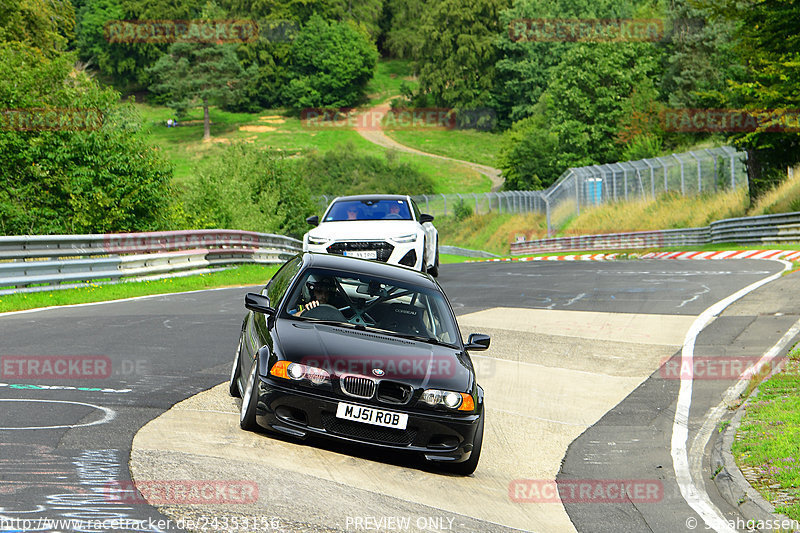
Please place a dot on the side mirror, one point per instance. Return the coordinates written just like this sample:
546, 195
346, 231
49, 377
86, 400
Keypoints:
258, 303
423, 218
313, 220
478, 341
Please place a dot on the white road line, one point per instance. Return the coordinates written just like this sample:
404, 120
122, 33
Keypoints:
108, 414
697, 500
731, 395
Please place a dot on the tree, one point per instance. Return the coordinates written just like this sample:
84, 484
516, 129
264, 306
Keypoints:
330, 64
403, 37
577, 118
87, 167
529, 153
197, 71
768, 43
524, 63
249, 189
456, 61
42, 25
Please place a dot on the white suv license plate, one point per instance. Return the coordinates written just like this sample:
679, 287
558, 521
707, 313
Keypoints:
368, 415
362, 254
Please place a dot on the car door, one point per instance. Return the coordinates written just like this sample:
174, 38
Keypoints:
257, 333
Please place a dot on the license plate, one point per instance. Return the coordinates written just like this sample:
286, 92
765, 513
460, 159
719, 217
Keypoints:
362, 254
368, 415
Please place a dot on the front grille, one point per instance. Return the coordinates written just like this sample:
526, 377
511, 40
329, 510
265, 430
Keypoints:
358, 386
392, 392
384, 249
366, 432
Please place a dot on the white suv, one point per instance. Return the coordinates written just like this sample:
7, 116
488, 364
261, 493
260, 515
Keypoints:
383, 227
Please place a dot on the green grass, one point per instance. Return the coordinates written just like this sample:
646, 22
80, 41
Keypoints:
185, 148
389, 75
243, 275
468, 145
769, 437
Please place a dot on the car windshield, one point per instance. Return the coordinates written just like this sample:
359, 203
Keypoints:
373, 303
368, 210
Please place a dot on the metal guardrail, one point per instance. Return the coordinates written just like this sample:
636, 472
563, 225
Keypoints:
764, 229
54, 260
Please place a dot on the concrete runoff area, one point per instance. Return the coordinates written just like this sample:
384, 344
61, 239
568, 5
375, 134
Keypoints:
548, 376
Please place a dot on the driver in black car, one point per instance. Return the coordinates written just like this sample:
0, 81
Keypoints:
321, 291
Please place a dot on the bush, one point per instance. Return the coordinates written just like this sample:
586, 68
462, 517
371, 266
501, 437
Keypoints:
248, 189
67, 179
461, 210
346, 171
330, 64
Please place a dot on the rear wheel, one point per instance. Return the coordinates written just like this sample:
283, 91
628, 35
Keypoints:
247, 416
468, 467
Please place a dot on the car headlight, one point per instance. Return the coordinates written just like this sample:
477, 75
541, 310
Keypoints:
316, 240
460, 401
298, 372
412, 237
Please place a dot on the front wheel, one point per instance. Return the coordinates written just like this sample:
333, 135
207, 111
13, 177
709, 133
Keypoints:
247, 416
468, 467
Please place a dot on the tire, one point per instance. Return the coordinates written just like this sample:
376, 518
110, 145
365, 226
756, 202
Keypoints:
468, 467
434, 270
236, 371
247, 415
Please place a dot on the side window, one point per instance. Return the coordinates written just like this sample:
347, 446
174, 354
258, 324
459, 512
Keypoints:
277, 286
416, 210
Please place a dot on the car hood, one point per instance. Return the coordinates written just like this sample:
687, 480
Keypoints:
342, 350
365, 229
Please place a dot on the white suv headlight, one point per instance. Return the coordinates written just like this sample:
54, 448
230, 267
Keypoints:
316, 240
405, 238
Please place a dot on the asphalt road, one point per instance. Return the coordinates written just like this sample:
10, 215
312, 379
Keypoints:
66, 443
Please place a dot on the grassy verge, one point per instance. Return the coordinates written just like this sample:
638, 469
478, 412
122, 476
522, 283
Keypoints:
243, 275
467, 145
769, 438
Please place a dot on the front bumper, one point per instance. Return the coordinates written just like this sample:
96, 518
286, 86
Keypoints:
387, 251
301, 412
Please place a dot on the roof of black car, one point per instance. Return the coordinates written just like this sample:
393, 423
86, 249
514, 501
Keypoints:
371, 268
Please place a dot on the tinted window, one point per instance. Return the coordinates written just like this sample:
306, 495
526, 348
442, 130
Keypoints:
368, 210
375, 303
277, 286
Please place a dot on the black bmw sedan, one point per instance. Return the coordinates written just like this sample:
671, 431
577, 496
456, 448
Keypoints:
360, 351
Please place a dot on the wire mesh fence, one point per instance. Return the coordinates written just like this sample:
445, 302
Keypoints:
687, 173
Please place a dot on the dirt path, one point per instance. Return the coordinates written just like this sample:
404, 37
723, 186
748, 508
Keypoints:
369, 127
